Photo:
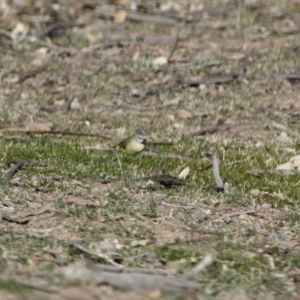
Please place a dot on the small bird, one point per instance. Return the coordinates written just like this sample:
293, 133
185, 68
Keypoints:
133, 144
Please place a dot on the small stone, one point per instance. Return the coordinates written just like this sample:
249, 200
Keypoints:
160, 61
255, 192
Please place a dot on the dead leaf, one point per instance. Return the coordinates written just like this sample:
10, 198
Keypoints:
272, 197
19, 32
184, 114
184, 173
120, 16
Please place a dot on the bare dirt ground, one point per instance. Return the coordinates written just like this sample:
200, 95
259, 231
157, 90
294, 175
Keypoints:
199, 77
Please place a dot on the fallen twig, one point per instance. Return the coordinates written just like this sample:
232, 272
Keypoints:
210, 130
9, 174
62, 132
137, 281
140, 17
100, 255
15, 220
100, 46
211, 80
247, 212
174, 47
121, 269
179, 206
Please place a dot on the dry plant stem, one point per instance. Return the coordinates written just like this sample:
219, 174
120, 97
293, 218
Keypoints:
1, 92
247, 212
211, 130
15, 220
216, 172
57, 49
104, 46
139, 17
9, 175
62, 132
121, 269
239, 13
100, 255
174, 47
160, 143
179, 206
210, 80
205, 262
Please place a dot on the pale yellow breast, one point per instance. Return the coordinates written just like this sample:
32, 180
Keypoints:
134, 147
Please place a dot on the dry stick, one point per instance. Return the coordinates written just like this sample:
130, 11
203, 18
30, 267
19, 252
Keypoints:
247, 212
183, 206
216, 172
23, 130
9, 175
140, 17
104, 46
15, 220
1, 92
210, 130
120, 269
160, 143
238, 17
55, 48
205, 262
100, 255
179, 206
174, 47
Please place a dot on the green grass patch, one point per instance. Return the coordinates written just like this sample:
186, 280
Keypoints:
14, 286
